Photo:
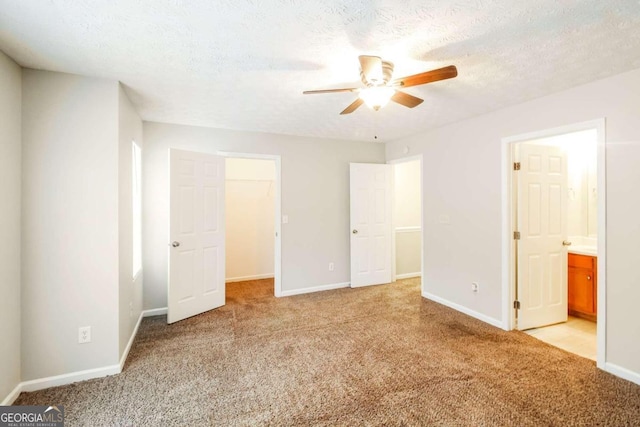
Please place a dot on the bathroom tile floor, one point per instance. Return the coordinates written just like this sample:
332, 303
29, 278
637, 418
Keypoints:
577, 336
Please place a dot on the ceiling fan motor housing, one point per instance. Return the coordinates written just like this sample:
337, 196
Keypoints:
378, 80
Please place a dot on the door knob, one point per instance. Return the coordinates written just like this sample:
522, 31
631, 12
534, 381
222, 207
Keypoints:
175, 244
566, 243
355, 231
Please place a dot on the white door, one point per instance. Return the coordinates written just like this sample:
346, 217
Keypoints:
370, 224
542, 222
196, 234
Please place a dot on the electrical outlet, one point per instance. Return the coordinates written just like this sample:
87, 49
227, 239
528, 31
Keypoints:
331, 266
84, 334
475, 287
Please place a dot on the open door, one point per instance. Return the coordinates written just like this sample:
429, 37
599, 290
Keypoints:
371, 224
196, 233
542, 223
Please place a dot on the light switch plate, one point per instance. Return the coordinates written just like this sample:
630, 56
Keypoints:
444, 219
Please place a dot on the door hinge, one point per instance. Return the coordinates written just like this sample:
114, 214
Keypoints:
516, 235
516, 166
516, 305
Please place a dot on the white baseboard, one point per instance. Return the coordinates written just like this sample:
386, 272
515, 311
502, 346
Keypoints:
621, 372
88, 374
125, 353
408, 275
69, 378
154, 312
72, 377
244, 278
8, 401
315, 289
465, 310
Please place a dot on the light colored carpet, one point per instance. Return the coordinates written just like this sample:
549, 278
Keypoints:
370, 356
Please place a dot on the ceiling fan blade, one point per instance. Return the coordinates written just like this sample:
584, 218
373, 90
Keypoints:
406, 99
348, 89
427, 77
351, 108
371, 68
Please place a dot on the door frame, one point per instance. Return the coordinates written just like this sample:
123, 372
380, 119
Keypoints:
508, 221
277, 267
393, 220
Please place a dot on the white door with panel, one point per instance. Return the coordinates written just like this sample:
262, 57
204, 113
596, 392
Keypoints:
371, 226
542, 223
196, 233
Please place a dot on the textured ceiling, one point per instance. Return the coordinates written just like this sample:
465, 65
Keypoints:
243, 64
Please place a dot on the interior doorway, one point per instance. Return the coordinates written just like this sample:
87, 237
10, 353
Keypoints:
556, 203
407, 219
197, 228
252, 226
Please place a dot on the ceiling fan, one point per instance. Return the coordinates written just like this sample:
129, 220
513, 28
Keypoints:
376, 74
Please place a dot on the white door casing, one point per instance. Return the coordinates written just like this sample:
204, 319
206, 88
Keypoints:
196, 234
542, 223
371, 225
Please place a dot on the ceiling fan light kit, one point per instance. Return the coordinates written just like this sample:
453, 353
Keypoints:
380, 89
376, 97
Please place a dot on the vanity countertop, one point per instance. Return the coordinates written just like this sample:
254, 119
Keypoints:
583, 250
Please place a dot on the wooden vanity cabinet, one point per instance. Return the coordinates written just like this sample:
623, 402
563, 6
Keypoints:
583, 286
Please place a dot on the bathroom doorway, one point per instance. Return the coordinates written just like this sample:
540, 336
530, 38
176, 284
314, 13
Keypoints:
555, 242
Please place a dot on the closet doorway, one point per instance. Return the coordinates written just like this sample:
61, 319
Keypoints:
252, 240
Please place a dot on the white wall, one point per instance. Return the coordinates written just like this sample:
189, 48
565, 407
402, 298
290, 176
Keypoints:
462, 180
406, 216
250, 218
315, 196
70, 223
129, 290
10, 189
